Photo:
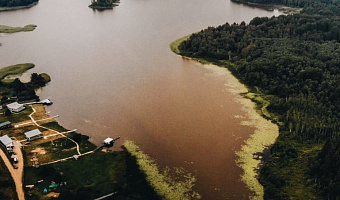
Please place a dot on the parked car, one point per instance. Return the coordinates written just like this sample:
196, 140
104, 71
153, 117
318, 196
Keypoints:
15, 160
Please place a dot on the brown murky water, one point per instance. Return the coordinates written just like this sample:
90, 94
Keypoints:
113, 74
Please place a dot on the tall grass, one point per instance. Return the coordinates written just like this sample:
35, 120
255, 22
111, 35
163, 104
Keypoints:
174, 45
10, 29
164, 183
15, 69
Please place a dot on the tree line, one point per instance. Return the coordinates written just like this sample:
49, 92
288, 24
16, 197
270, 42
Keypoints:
294, 60
14, 3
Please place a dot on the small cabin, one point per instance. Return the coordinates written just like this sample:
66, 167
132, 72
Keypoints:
4, 125
109, 142
15, 107
7, 142
33, 134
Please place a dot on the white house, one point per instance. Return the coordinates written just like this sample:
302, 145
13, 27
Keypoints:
15, 107
33, 134
108, 141
6, 141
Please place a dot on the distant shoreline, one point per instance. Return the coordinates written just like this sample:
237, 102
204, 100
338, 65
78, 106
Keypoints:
17, 7
103, 7
284, 9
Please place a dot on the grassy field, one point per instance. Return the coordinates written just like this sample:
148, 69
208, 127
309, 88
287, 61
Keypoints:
92, 176
15, 69
10, 29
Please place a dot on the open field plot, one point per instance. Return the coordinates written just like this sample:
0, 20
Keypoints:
49, 151
20, 117
91, 176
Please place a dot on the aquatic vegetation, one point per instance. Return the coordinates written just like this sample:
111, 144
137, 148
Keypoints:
15, 69
9, 29
264, 135
169, 184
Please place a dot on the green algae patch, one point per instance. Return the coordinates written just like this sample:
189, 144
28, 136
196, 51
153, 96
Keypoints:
10, 29
254, 105
264, 136
164, 182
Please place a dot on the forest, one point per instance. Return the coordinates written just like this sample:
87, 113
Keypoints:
14, 3
294, 61
103, 4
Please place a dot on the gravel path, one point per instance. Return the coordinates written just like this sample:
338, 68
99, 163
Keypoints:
16, 173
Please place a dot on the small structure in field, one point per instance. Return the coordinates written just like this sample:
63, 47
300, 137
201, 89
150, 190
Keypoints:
7, 142
33, 134
15, 107
76, 157
4, 125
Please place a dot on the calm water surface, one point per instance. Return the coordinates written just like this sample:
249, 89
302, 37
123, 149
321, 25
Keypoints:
113, 74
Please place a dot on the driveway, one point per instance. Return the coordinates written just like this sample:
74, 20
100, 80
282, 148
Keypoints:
16, 173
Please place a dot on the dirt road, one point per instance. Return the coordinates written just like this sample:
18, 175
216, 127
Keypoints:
16, 173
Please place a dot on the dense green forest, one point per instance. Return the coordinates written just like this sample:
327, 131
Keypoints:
14, 3
290, 3
103, 4
294, 61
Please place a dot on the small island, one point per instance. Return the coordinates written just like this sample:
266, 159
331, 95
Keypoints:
103, 4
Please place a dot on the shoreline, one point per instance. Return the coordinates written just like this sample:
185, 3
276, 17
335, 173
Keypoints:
69, 154
264, 136
270, 7
17, 7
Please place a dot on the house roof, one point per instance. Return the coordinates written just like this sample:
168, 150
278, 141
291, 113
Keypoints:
14, 105
6, 140
108, 140
5, 123
32, 133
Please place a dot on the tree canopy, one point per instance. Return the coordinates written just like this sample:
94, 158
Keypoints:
294, 59
14, 3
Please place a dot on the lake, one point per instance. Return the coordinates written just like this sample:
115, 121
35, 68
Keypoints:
113, 74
